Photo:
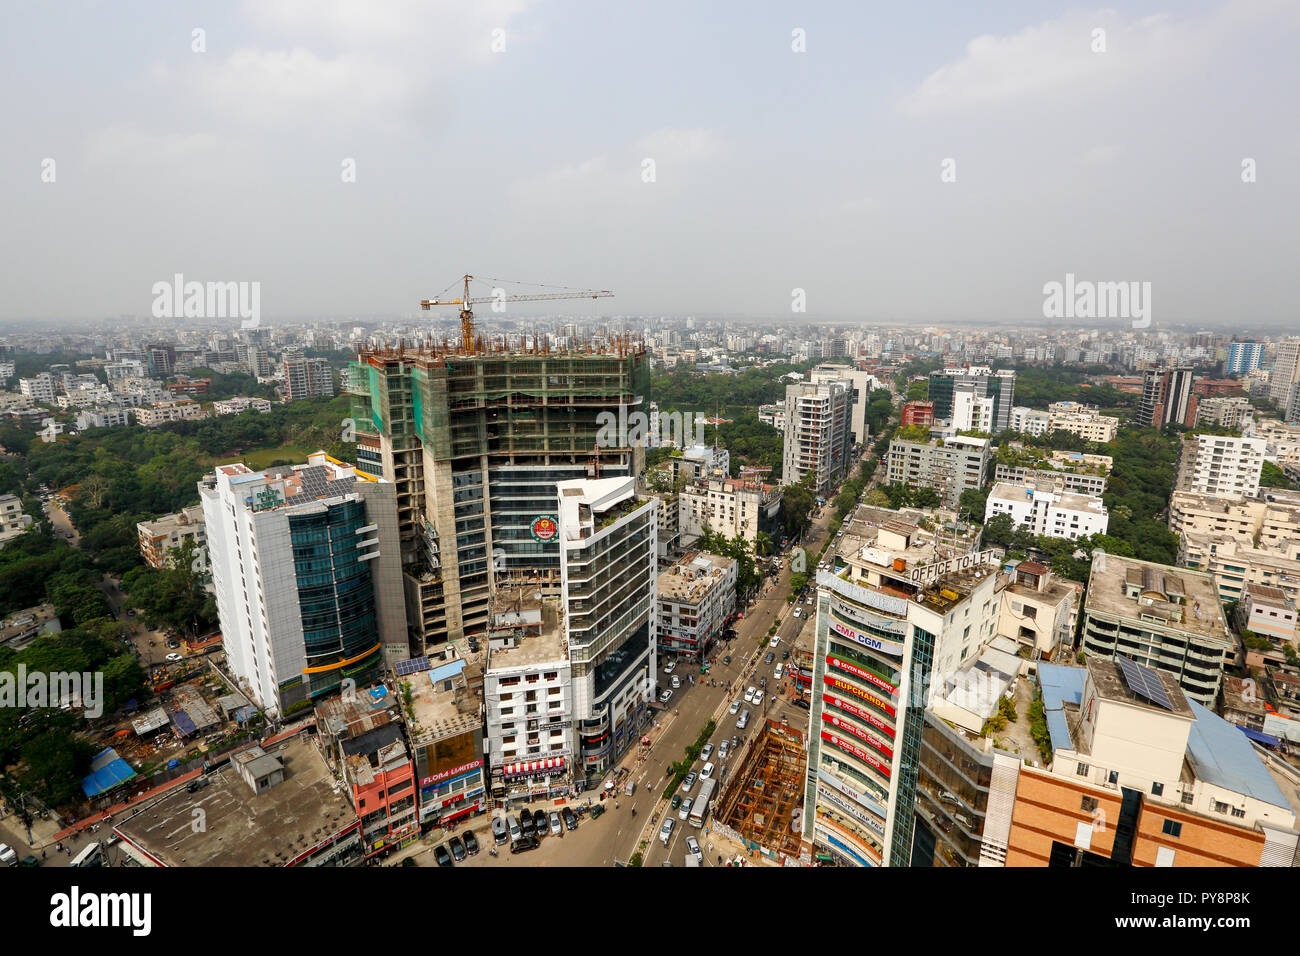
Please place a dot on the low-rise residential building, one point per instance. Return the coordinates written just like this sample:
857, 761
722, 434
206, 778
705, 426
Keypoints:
1235, 564
41, 388
528, 698
773, 415
949, 466
1082, 420
1226, 411
730, 507
1167, 618
1030, 421
1046, 511
917, 412
13, 520
111, 417
696, 596
1269, 612
1220, 465
1281, 439
159, 536
233, 406
181, 410
1038, 610
1068, 471
22, 627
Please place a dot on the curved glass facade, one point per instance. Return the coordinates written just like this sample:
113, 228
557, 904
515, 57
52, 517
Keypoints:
335, 596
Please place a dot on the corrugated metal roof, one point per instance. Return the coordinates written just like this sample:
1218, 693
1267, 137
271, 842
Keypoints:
1061, 685
1220, 754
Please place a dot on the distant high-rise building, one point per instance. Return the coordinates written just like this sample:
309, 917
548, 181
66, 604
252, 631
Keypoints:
1286, 371
975, 383
818, 433
1167, 398
1221, 465
307, 378
307, 574
1244, 357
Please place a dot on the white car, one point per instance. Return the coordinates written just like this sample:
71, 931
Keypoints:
670, 667
172, 658
666, 831
798, 612
706, 753
774, 641
780, 669
724, 748
693, 848
677, 681
707, 772
7, 855
758, 698
735, 709
749, 695
665, 697
684, 812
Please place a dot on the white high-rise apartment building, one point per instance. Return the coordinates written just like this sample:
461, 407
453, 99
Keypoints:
307, 575
1221, 465
1286, 371
818, 433
609, 583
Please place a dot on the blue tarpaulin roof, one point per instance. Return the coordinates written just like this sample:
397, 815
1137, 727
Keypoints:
107, 771
1220, 754
448, 670
1266, 739
1061, 685
184, 725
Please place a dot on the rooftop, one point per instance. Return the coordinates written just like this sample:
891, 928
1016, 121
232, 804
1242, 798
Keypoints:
534, 628
1174, 598
243, 829
694, 576
442, 701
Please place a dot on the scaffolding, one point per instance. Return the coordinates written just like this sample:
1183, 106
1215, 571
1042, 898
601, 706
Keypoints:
762, 798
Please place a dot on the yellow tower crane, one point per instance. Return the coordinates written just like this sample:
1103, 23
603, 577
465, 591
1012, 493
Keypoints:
466, 301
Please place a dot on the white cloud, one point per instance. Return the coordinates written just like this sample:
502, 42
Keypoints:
115, 144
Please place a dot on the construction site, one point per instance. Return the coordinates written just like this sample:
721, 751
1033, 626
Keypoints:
763, 798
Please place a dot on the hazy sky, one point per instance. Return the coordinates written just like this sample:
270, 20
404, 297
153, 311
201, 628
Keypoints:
773, 169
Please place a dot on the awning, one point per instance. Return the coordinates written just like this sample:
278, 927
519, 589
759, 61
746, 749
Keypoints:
550, 765
1255, 735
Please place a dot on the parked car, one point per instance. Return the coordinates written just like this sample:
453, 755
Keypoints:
726, 659
666, 831
677, 682
785, 655
526, 826
30, 860
7, 856
676, 801
724, 748
556, 827
707, 772
693, 848
471, 842
758, 698
172, 658
735, 707
749, 694
771, 656
743, 720
665, 697
500, 832
762, 681
776, 639
442, 856
801, 702
685, 810
688, 782
523, 844
457, 848
570, 818
670, 667
780, 669
706, 752
798, 612
539, 822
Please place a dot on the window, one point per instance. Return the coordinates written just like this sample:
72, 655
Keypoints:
1220, 807
1113, 776
1172, 828
1089, 804
1239, 812
1083, 770
1187, 799
1158, 789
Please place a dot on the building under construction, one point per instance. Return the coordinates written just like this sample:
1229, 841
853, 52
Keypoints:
763, 798
475, 439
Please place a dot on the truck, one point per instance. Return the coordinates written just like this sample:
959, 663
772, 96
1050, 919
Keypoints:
700, 805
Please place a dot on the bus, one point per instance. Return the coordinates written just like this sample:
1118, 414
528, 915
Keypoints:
92, 855
700, 805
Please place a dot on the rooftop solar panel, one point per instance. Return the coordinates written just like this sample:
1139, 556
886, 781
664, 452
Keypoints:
1144, 682
413, 666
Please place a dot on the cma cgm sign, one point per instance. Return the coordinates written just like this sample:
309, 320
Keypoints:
875, 643
932, 572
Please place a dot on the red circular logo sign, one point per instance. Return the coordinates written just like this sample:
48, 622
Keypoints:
544, 528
